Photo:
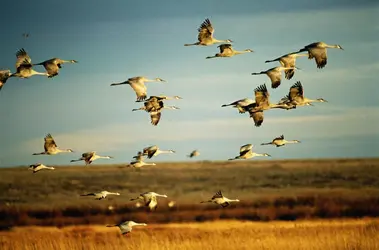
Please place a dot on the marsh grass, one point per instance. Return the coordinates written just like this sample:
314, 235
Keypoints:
310, 235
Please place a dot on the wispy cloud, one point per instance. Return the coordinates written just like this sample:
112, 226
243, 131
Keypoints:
359, 121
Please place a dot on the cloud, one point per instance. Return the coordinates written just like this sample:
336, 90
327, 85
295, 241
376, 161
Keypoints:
357, 121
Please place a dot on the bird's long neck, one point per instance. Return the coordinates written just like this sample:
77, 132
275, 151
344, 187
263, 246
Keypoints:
161, 195
63, 150
101, 157
220, 41
236, 52
40, 73
147, 164
150, 80
258, 154
67, 61
290, 141
48, 167
210, 57
307, 100
279, 106
172, 97
112, 193
231, 200
331, 46
169, 107
139, 224
165, 151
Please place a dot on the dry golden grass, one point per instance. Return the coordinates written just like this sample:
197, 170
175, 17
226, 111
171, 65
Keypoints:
309, 235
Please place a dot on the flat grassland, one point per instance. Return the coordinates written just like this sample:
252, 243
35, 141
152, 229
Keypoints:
299, 235
268, 190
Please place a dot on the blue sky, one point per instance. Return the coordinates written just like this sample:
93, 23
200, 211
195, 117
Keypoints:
115, 40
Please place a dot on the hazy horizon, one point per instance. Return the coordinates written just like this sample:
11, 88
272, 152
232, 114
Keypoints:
116, 40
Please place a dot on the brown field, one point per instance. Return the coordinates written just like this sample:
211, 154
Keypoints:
310, 235
268, 190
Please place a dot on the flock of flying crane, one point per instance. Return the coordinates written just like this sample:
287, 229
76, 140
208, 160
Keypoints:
154, 106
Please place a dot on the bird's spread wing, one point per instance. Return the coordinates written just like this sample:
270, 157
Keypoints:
246, 147
242, 153
296, 90
320, 56
4, 75
140, 89
205, 30
145, 150
151, 151
217, 195
285, 99
152, 199
149, 105
152, 148
279, 138
22, 58
289, 73
261, 95
288, 61
225, 47
275, 77
153, 105
225, 204
155, 117
88, 155
257, 118
49, 142
52, 68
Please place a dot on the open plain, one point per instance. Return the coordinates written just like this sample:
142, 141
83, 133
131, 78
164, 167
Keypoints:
320, 204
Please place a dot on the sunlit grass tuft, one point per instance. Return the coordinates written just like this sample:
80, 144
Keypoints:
310, 235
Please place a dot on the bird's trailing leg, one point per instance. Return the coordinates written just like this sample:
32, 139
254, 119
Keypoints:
141, 108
